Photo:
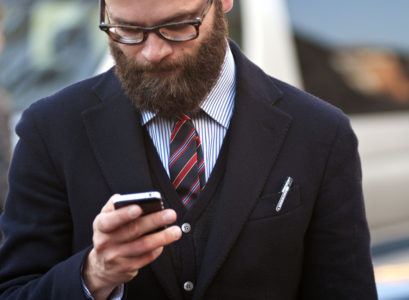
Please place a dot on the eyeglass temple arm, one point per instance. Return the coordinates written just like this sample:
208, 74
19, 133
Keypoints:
102, 11
208, 6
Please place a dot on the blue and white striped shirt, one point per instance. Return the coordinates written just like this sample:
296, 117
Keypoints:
211, 123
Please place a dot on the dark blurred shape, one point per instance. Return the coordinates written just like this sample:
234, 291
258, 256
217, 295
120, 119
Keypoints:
234, 20
357, 80
4, 146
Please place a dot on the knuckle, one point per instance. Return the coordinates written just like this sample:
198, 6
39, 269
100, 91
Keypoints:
129, 269
129, 274
155, 219
132, 230
95, 223
99, 242
150, 256
100, 223
157, 252
172, 234
164, 238
159, 219
105, 224
111, 257
145, 244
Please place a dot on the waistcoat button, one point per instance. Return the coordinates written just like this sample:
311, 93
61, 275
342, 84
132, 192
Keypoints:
188, 286
186, 227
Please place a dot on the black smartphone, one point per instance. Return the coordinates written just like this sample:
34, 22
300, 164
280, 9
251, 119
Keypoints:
149, 201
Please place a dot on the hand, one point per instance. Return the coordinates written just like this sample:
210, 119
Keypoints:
123, 244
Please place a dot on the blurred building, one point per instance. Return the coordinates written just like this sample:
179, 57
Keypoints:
49, 45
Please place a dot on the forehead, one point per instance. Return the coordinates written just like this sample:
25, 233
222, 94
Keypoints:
151, 12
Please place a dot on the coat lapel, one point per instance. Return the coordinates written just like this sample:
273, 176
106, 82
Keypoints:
115, 135
116, 138
258, 130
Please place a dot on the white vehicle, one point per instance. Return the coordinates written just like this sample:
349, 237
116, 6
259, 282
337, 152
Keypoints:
383, 136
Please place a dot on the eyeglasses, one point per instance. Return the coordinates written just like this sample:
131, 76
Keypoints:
132, 35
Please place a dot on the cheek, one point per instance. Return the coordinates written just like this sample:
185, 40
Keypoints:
189, 48
131, 51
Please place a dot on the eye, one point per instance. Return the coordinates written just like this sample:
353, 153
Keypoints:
128, 32
179, 32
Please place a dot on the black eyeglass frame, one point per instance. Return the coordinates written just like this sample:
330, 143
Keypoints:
146, 30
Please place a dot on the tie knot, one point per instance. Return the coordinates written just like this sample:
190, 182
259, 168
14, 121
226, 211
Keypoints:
183, 117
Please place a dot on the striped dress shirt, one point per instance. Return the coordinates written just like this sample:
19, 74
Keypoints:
211, 123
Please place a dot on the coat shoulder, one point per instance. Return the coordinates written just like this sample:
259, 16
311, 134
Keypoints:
77, 96
308, 112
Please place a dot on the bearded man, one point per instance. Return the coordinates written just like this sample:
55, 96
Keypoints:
261, 182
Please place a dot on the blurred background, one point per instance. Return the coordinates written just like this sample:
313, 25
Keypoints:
353, 54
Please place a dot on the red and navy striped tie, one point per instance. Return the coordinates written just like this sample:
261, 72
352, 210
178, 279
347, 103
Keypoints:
186, 163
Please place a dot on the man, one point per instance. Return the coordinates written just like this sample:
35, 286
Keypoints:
275, 211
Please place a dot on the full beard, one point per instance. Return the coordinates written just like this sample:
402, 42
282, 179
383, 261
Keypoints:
172, 88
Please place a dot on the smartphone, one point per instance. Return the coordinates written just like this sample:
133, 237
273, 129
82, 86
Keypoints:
149, 201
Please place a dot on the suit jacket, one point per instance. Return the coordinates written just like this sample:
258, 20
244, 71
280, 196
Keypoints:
85, 143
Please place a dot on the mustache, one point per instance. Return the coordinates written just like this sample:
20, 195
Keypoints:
164, 66
138, 67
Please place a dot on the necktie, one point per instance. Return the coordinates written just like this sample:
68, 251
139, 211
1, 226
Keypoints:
186, 163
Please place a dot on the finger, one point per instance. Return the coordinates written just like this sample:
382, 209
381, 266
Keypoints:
148, 243
110, 221
109, 206
146, 259
123, 269
124, 260
145, 224
134, 264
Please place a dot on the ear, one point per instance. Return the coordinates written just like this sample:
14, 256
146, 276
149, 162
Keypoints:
227, 5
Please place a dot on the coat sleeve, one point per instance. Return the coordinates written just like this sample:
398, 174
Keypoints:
337, 253
36, 257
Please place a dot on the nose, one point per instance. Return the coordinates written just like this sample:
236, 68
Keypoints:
155, 49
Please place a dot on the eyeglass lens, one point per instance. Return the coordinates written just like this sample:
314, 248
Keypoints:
176, 32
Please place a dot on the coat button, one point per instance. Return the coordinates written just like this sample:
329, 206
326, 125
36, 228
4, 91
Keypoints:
186, 228
188, 286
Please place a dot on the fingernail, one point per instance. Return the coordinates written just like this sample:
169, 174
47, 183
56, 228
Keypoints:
168, 216
177, 233
133, 211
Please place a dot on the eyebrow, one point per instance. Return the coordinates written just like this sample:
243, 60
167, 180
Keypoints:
177, 17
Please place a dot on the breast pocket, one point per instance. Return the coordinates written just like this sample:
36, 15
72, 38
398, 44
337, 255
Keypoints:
266, 205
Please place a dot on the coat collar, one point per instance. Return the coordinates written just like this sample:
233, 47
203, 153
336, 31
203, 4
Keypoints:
117, 138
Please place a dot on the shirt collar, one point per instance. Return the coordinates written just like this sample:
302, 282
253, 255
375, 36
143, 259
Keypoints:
220, 101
